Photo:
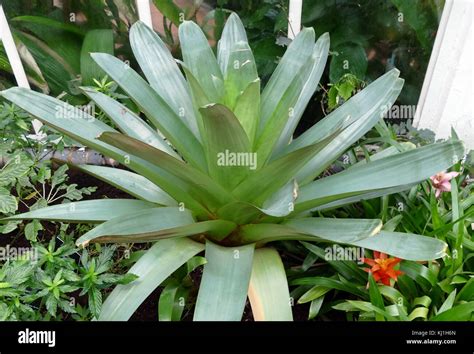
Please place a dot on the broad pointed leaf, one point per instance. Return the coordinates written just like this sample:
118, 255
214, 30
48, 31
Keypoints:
197, 184
283, 112
228, 147
154, 107
268, 291
247, 109
278, 205
128, 122
157, 264
319, 55
153, 225
129, 182
276, 174
200, 60
241, 71
397, 170
162, 72
96, 40
312, 229
297, 55
360, 124
232, 33
88, 211
224, 284
405, 245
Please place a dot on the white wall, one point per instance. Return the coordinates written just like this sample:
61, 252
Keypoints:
447, 97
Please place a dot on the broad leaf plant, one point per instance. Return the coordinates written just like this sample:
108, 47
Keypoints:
217, 170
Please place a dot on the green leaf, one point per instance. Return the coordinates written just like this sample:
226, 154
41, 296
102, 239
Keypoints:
16, 167
314, 293
225, 282
295, 57
315, 307
319, 56
157, 264
89, 211
375, 297
132, 183
348, 269
393, 295
155, 108
461, 312
247, 109
32, 229
49, 22
268, 290
162, 72
200, 60
467, 292
270, 178
128, 122
352, 111
55, 70
448, 303
95, 301
397, 170
282, 113
97, 40
405, 245
8, 203
349, 58
392, 150
356, 305
228, 147
241, 71
232, 33
424, 276
331, 204
424, 301
153, 225
419, 312
198, 184
170, 306
358, 116
278, 205
169, 10
336, 230
312, 229
458, 228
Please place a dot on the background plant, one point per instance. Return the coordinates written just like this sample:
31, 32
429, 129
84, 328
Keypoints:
55, 42
50, 282
437, 290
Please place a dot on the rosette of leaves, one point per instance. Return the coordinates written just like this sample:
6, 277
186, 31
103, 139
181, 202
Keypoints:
188, 201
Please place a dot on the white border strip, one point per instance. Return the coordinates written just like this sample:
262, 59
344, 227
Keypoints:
144, 12
294, 18
12, 53
14, 58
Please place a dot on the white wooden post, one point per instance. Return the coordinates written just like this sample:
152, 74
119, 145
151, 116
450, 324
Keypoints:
144, 12
294, 18
14, 59
446, 99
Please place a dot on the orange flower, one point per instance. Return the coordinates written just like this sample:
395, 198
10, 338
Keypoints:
382, 267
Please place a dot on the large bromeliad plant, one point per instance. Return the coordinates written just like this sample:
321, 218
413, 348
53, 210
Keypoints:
223, 174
